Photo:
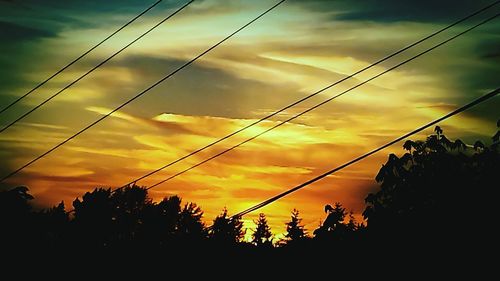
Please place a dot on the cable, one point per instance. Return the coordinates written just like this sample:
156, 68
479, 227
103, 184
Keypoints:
80, 57
322, 103
141, 93
94, 68
309, 96
359, 158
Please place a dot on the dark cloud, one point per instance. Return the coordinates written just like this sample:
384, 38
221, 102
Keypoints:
200, 90
489, 49
466, 65
396, 10
23, 25
86, 6
12, 31
21, 55
31, 19
488, 113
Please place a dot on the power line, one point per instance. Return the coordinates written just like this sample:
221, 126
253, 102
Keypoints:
141, 93
95, 67
322, 103
80, 57
359, 158
310, 96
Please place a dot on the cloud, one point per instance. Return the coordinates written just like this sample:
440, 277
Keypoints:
395, 10
202, 90
171, 127
12, 31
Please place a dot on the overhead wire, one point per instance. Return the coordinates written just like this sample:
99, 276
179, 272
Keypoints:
323, 102
134, 181
141, 93
79, 57
471, 104
93, 69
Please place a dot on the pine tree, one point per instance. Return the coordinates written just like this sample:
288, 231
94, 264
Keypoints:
294, 230
227, 230
262, 235
336, 216
352, 225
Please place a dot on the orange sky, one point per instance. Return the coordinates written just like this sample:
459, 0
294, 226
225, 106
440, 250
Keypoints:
290, 53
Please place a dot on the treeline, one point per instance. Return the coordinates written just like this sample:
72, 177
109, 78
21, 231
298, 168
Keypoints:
438, 191
128, 217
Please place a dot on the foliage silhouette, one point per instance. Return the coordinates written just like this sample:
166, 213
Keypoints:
15, 216
190, 225
262, 236
295, 231
335, 229
226, 230
434, 191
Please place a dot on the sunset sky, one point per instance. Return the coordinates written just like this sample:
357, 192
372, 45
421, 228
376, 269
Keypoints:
296, 49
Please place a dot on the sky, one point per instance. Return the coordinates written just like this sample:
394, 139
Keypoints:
295, 50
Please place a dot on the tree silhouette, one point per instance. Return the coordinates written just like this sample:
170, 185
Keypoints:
294, 230
336, 216
160, 221
104, 218
127, 206
15, 216
51, 226
190, 225
94, 220
226, 230
438, 131
479, 146
351, 224
262, 235
420, 193
15, 202
335, 231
